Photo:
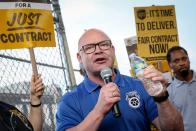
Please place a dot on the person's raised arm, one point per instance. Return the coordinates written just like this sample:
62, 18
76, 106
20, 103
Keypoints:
37, 89
169, 119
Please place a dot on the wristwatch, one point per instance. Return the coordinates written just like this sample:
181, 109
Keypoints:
160, 99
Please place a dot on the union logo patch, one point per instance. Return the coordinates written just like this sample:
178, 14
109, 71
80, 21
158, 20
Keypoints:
133, 99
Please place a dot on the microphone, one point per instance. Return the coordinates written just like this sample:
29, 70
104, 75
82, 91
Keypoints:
106, 75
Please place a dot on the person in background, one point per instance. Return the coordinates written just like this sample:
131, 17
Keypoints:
182, 89
88, 106
11, 119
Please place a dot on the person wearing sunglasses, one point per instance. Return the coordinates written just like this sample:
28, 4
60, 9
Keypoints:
11, 119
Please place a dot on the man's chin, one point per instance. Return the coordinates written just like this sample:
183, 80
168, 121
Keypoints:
103, 66
184, 73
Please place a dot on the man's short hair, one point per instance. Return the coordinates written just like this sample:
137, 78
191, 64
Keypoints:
174, 48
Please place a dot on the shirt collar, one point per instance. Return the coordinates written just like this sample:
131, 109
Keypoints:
178, 82
119, 79
91, 86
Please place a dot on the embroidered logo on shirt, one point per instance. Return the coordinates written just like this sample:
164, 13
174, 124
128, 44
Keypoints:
133, 99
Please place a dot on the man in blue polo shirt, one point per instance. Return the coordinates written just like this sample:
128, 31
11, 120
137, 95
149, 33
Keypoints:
88, 106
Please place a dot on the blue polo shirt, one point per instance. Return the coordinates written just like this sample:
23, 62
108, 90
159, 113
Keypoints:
137, 108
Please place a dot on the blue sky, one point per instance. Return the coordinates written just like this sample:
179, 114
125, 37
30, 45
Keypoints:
116, 18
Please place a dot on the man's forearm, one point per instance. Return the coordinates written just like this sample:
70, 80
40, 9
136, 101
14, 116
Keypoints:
170, 119
35, 118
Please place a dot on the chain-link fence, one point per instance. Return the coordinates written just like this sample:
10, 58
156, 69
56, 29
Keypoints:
15, 76
53, 64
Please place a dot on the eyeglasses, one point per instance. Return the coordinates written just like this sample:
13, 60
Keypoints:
90, 48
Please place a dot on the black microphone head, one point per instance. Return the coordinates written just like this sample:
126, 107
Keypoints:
106, 72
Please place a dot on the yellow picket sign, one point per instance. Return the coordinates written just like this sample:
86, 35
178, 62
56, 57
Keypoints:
26, 27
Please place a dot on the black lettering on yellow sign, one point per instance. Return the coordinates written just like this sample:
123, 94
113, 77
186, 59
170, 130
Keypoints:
155, 58
140, 26
160, 25
20, 19
157, 39
25, 36
161, 13
158, 48
143, 40
22, 5
164, 38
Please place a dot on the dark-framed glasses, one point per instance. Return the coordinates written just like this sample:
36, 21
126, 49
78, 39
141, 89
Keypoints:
90, 48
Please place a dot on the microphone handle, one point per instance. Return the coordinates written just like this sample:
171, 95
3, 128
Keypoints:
115, 109
108, 79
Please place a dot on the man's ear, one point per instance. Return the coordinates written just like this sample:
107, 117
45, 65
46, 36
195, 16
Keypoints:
79, 58
113, 48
